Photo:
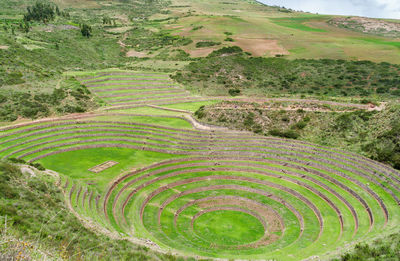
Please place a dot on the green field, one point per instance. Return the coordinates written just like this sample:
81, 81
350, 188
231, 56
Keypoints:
195, 130
195, 190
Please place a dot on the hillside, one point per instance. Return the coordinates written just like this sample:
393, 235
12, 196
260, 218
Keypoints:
197, 130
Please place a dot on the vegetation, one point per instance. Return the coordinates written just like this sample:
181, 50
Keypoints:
86, 30
150, 177
357, 130
70, 97
206, 44
220, 71
144, 39
382, 249
41, 11
57, 231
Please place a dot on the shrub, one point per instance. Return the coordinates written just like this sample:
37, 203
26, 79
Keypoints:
290, 134
200, 113
3, 98
206, 44
226, 50
38, 166
86, 30
71, 109
15, 160
300, 125
234, 92
41, 11
249, 120
197, 28
396, 92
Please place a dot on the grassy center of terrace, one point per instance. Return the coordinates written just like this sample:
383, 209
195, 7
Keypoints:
228, 227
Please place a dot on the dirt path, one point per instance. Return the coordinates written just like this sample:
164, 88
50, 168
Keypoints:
120, 41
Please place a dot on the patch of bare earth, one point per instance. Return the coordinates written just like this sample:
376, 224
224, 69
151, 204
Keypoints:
260, 47
119, 29
201, 52
133, 53
4, 47
103, 166
168, 26
52, 28
78, 3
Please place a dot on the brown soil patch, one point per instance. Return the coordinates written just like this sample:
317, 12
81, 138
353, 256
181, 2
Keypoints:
78, 3
173, 26
4, 47
119, 29
123, 18
103, 166
133, 53
260, 47
202, 52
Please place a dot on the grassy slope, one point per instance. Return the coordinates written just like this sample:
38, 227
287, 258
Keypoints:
54, 233
229, 68
299, 34
372, 134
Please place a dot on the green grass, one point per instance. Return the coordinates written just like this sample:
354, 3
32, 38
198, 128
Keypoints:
161, 121
294, 177
76, 164
209, 228
30, 233
298, 23
189, 106
381, 42
225, 227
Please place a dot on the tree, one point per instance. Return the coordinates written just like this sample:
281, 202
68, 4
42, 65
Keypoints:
86, 30
41, 11
25, 26
106, 20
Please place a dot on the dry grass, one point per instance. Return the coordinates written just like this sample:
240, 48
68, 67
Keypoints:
260, 47
133, 53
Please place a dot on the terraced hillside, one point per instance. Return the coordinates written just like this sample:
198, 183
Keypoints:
125, 89
178, 186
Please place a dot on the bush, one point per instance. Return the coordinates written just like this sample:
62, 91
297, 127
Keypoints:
38, 166
277, 75
15, 160
300, 125
226, 50
290, 134
234, 92
41, 11
381, 90
86, 30
396, 92
206, 44
200, 113
3, 98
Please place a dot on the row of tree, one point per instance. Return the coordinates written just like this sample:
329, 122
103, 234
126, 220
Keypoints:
43, 12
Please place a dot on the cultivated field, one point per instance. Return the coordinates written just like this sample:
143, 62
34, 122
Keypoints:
183, 187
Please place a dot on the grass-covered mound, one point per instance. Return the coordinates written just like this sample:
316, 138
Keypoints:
230, 68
